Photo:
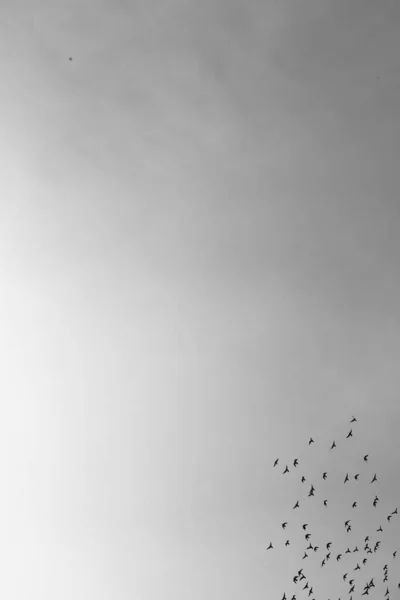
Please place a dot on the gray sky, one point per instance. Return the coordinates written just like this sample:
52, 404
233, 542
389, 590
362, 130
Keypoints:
199, 242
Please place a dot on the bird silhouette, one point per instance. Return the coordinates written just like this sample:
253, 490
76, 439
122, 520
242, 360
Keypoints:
389, 517
346, 478
374, 478
357, 567
311, 441
354, 504
357, 476
304, 526
325, 502
296, 505
287, 543
380, 528
355, 549
339, 556
286, 470
329, 544
303, 479
284, 525
350, 434
365, 561
344, 576
270, 546
305, 555
353, 420
394, 512
366, 457
307, 536
394, 554
276, 462
346, 523
333, 445
324, 475
295, 462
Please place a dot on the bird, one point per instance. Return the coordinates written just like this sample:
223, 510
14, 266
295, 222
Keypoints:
304, 526
316, 548
354, 420
307, 536
394, 512
311, 441
324, 475
323, 563
328, 556
380, 528
276, 462
287, 543
306, 586
284, 596
333, 445
270, 546
346, 523
346, 478
366, 457
329, 544
295, 462
339, 556
286, 470
296, 505
374, 478
365, 561
357, 567
344, 576
394, 554
325, 502
350, 434
348, 551
355, 549
295, 579
305, 555
356, 476
351, 590
366, 539
389, 517
354, 504
303, 479
284, 525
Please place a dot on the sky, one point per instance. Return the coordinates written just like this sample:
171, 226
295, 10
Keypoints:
199, 242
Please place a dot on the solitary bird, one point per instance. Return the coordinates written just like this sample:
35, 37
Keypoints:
270, 546
366, 457
354, 504
350, 434
346, 478
325, 502
287, 543
333, 445
295, 462
284, 525
311, 441
296, 505
324, 475
276, 462
354, 420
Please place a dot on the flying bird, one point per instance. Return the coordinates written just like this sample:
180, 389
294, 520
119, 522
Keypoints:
365, 561
270, 546
374, 478
311, 441
366, 457
346, 523
325, 502
305, 555
357, 567
295, 462
303, 479
284, 525
380, 528
354, 420
324, 475
286, 470
346, 478
350, 434
339, 556
355, 549
394, 512
329, 544
276, 462
354, 504
296, 505
333, 445
356, 476
304, 526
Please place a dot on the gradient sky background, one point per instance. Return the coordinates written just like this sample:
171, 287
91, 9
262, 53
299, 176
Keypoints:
199, 246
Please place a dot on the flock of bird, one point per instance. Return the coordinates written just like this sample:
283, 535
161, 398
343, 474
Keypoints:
352, 574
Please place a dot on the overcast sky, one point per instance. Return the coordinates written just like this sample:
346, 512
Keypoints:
199, 252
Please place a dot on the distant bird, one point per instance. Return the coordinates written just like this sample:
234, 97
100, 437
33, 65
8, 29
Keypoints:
394, 554
366, 539
374, 478
357, 476
311, 441
284, 596
346, 523
354, 420
323, 563
295, 579
365, 561
389, 517
357, 567
346, 478
380, 528
348, 551
366, 457
351, 589
329, 544
316, 548
394, 512
344, 576
355, 549
324, 475
270, 546
305, 555
307, 536
350, 434
306, 586
70, 58
339, 556
295, 462
333, 445
284, 525
325, 502
310, 592
354, 504
304, 526
303, 479
276, 462
328, 556
286, 470
296, 505
287, 543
